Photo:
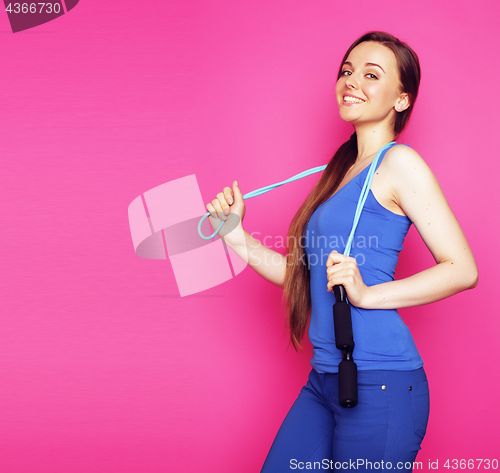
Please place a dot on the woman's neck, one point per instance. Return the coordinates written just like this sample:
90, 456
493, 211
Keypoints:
370, 140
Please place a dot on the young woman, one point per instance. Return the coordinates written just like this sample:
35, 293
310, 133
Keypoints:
376, 89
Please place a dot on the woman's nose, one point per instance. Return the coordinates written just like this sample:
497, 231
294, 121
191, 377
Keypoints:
351, 82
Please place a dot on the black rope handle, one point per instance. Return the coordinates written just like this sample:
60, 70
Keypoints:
344, 341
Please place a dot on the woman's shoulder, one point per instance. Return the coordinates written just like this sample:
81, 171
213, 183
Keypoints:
413, 183
401, 149
405, 162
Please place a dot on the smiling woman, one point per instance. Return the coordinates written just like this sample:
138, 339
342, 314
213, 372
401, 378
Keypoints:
376, 90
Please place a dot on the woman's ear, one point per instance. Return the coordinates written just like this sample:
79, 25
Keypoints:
403, 103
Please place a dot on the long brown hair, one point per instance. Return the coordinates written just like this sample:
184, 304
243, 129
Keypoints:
296, 289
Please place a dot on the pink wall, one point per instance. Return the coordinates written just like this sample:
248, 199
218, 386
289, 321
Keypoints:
104, 367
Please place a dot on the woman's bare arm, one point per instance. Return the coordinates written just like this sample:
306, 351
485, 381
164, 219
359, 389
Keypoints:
420, 196
266, 262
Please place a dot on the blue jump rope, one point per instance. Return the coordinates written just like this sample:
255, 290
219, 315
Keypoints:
344, 340
359, 208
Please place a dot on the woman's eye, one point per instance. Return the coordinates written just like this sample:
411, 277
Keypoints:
369, 74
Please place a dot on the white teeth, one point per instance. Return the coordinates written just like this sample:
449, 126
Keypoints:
352, 100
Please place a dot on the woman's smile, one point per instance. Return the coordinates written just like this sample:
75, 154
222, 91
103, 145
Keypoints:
349, 99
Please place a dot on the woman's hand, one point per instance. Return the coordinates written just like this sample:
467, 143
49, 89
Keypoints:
343, 270
229, 206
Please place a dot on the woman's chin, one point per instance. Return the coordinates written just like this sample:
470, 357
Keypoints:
347, 117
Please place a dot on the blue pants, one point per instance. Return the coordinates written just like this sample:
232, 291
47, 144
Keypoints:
387, 425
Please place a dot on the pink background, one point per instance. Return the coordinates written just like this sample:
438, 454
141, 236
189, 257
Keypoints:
103, 366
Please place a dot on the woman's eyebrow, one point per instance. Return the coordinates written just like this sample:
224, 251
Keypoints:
366, 64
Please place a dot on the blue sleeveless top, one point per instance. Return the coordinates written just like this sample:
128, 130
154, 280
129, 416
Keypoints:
382, 341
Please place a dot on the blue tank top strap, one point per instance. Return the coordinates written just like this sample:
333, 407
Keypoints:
366, 190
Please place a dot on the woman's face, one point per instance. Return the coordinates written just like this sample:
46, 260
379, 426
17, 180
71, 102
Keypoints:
376, 84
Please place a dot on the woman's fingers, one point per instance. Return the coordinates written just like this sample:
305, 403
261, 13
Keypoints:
341, 270
342, 277
228, 194
213, 212
223, 204
219, 208
336, 258
349, 264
